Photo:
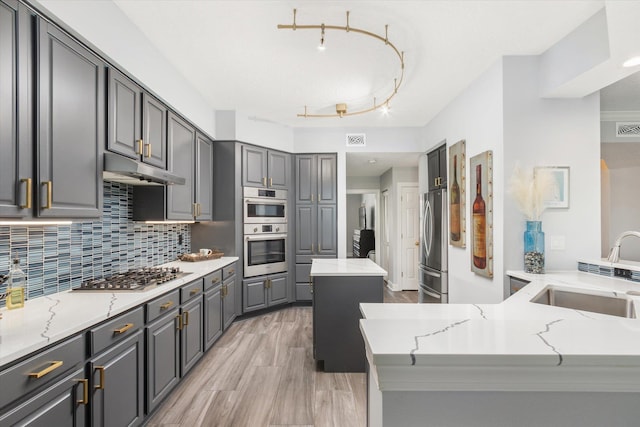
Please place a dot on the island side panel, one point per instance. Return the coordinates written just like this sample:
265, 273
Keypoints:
336, 334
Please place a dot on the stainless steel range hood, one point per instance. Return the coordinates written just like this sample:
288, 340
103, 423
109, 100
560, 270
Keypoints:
128, 171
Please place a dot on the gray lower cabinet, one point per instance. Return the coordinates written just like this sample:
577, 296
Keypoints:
212, 316
163, 357
229, 302
264, 291
303, 285
191, 326
71, 127
63, 404
265, 168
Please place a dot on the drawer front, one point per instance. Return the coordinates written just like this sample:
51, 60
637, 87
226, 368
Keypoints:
303, 292
302, 272
228, 271
213, 280
162, 305
114, 330
191, 291
50, 364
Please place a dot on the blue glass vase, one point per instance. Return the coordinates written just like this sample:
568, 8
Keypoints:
534, 248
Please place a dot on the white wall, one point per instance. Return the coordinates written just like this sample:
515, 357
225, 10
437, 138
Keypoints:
476, 116
105, 26
552, 132
354, 201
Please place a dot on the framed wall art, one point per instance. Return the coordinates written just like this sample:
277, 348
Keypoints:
457, 194
560, 196
481, 186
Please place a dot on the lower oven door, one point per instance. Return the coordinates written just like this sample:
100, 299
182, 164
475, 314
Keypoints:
265, 254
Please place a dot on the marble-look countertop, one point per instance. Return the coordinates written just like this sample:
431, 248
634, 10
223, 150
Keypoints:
513, 345
48, 319
346, 267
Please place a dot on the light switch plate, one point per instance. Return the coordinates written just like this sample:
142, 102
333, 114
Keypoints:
556, 243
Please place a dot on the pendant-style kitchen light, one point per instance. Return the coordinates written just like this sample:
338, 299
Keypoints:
341, 107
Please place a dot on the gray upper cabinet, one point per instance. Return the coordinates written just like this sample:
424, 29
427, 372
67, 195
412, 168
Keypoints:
204, 179
16, 137
265, 168
437, 168
181, 141
71, 104
316, 178
137, 122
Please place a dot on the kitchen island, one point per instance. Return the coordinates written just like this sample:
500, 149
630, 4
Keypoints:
339, 286
516, 363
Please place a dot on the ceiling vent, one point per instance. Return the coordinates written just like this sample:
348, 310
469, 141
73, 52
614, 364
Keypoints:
356, 140
628, 129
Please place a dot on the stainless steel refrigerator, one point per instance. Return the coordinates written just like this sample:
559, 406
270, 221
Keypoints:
433, 277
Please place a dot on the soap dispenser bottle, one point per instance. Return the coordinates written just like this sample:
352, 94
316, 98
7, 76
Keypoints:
16, 284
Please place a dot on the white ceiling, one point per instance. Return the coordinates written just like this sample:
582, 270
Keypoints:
232, 52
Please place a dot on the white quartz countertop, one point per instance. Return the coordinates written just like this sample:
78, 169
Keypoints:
48, 319
346, 267
477, 344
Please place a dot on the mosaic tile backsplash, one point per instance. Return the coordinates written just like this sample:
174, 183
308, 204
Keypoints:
60, 257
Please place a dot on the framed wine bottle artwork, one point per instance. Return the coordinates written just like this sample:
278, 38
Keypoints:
481, 187
457, 195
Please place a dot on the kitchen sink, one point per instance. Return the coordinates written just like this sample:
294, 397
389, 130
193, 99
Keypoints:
592, 301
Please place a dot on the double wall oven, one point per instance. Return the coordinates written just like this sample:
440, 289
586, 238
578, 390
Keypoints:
265, 231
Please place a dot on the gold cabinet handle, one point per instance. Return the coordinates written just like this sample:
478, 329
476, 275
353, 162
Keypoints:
194, 291
264, 181
268, 283
85, 391
222, 291
186, 318
49, 186
232, 272
54, 365
27, 204
166, 305
180, 325
124, 329
100, 386
215, 280
270, 182
194, 207
310, 284
199, 209
139, 145
147, 150
312, 197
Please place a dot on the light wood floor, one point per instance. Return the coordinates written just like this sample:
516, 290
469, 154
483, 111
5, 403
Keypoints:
262, 373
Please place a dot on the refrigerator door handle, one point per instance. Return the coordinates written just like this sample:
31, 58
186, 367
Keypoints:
428, 227
431, 294
430, 273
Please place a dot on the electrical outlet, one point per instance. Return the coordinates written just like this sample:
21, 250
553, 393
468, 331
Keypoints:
556, 243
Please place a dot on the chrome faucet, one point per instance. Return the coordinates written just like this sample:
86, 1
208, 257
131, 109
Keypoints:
614, 255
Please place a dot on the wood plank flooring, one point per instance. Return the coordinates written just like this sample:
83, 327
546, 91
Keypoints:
262, 373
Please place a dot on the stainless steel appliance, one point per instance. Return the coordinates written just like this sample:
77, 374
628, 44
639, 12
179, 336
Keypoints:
264, 206
265, 249
433, 277
133, 280
128, 171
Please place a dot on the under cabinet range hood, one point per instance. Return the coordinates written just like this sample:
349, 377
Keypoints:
118, 168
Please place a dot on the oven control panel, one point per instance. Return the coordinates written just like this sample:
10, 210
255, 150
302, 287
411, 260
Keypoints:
278, 228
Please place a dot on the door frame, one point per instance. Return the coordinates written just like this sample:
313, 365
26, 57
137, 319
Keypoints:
376, 224
398, 240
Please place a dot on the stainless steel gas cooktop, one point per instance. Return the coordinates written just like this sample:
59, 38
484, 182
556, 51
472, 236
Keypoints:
133, 280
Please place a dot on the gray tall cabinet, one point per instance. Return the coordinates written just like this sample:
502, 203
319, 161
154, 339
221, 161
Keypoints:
315, 214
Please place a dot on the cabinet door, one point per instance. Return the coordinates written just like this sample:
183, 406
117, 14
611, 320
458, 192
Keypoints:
191, 336
229, 302
58, 405
204, 178
117, 383
327, 242
124, 113
442, 154
254, 294
71, 121
277, 289
433, 169
254, 167
163, 358
180, 198
305, 232
327, 179
15, 110
306, 178
212, 316
154, 129
279, 170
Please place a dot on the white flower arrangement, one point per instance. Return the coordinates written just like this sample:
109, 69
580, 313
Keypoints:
530, 190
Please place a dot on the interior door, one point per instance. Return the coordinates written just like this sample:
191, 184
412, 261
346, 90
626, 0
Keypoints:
409, 236
385, 247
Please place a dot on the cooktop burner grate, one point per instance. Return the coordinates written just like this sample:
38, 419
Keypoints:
132, 280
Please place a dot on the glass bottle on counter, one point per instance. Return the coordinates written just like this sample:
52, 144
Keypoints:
16, 284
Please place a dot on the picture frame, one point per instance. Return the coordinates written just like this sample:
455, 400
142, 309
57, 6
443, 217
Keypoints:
560, 198
457, 194
481, 207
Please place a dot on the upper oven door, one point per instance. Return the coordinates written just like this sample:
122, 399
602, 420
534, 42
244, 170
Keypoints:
264, 211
